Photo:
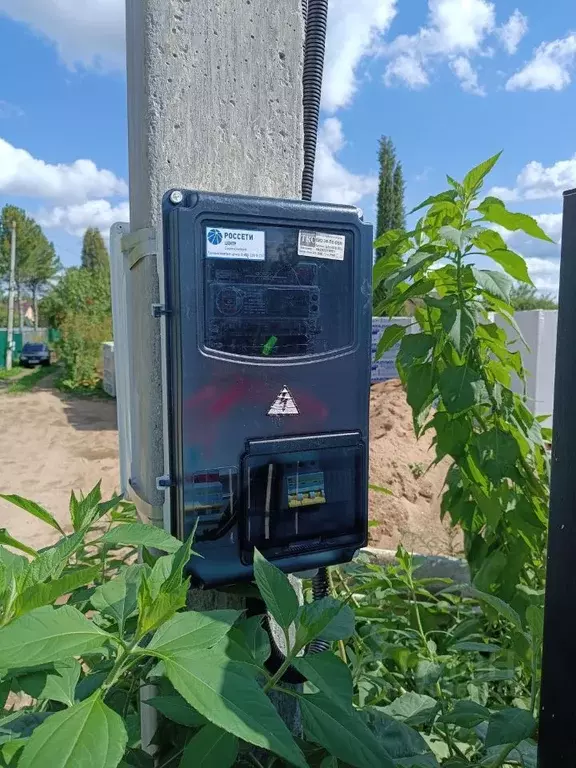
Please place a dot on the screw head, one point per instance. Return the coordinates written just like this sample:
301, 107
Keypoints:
176, 197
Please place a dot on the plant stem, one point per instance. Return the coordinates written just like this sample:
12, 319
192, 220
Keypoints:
255, 760
503, 755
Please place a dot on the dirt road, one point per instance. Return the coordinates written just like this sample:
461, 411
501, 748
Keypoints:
49, 444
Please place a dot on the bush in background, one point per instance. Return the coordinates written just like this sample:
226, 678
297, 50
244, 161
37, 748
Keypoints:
80, 307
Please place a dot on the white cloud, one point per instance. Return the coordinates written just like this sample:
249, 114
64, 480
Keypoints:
354, 26
8, 110
408, 70
91, 33
75, 219
550, 67
512, 32
537, 182
87, 32
332, 182
456, 28
23, 174
545, 273
551, 223
467, 75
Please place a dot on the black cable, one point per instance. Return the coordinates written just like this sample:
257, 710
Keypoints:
320, 589
316, 17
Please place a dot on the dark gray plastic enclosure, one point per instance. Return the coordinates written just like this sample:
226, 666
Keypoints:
268, 338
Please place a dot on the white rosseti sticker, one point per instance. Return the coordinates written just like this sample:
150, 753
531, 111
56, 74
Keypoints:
224, 243
321, 245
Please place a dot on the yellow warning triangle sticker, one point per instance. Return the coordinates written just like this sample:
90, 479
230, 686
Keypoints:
284, 405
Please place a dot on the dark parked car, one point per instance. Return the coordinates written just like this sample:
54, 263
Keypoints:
35, 354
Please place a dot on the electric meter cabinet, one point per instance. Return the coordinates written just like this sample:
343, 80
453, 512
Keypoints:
268, 325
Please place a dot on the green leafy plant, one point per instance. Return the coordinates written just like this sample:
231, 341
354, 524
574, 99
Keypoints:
84, 627
458, 367
451, 673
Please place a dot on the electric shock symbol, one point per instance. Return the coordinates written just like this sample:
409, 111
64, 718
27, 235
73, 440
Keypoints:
284, 405
215, 236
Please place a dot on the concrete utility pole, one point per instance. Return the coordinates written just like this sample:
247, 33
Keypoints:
214, 103
11, 288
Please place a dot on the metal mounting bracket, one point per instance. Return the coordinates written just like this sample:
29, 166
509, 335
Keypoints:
137, 245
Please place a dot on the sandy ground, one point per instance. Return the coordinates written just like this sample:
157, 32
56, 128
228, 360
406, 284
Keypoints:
51, 443
401, 463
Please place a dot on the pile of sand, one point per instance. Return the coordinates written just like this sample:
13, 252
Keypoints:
400, 463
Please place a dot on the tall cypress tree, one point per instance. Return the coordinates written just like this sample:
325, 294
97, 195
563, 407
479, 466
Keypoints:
94, 253
390, 204
385, 203
399, 217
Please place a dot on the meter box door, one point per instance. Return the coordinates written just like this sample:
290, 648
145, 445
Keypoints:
268, 312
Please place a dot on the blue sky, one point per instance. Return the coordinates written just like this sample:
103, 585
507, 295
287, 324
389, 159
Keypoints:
451, 81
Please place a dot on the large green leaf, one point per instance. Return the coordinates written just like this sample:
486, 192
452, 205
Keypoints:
509, 726
220, 690
276, 591
327, 618
51, 561
329, 674
405, 746
33, 509
342, 732
177, 709
461, 388
535, 622
211, 747
155, 611
141, 535
48, 593
460, 326
13, 565
56, 684
392, 335
413, 708
452, 434
448, 196
17, 725
466, 714
495, 212
415, 346
48, 634
192, 630
87, 735
85, 509
118, 598
10, 541
512, 263
498, 605
419, 386
495, 283
253, 638
474, 178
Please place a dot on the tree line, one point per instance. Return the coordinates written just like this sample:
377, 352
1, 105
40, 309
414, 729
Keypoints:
37, 264
74, 300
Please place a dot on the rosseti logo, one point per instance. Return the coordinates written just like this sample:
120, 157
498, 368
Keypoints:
215, 236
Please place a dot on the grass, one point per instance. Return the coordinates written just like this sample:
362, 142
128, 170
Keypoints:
96, 390
28, 381
4, 374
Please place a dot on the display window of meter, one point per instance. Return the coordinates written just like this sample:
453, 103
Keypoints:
268, 352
